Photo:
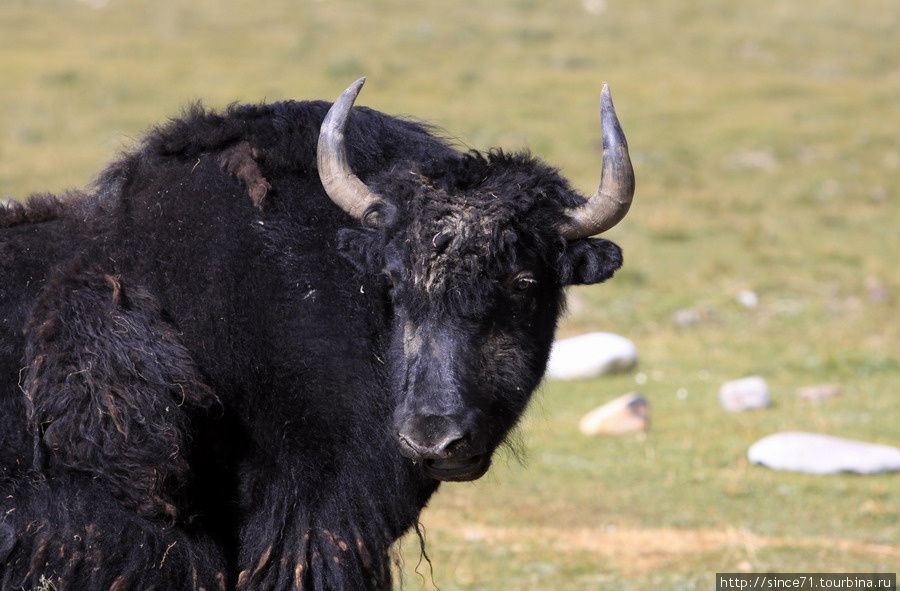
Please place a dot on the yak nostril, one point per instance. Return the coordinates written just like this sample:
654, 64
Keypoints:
426, 441
450, 443
409, 442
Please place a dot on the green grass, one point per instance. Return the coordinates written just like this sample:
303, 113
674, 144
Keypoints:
765, 142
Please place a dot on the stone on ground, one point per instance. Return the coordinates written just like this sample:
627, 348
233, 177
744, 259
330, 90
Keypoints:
745, 394
626, 414
748, 298
590, 355
813, 453
687, 316
819, 392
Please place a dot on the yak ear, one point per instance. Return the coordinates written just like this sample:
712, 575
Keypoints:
589, 260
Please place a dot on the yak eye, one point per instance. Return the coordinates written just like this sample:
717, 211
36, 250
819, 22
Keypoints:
523, 282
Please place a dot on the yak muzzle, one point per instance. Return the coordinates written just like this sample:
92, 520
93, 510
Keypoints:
446, 449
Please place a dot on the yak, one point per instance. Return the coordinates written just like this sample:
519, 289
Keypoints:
248, 354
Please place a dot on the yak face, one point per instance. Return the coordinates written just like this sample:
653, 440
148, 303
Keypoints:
473, 268
475, 251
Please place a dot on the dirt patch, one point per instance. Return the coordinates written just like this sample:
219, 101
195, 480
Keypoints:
637, 551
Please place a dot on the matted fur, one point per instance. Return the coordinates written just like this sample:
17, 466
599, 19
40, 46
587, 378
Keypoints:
108, 385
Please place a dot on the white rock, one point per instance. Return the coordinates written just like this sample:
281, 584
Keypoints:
687, 316
823, 454
590, 355
748, 298
626, 414
744, 394
594, 6
878, 292
819, 392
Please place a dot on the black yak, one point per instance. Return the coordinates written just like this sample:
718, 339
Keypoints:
248, 356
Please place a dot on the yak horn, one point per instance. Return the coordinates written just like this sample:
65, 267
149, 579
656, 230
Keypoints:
613, 197
342, 185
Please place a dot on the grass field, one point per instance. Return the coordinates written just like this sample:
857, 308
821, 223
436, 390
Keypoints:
766, 145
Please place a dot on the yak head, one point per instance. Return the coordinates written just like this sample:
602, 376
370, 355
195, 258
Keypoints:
474, 251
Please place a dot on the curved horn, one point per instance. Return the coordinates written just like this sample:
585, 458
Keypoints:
343, 187
613, 197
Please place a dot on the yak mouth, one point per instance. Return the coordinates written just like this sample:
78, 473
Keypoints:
458, 470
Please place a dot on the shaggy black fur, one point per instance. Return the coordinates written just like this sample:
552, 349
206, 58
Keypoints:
204, 363
7, 540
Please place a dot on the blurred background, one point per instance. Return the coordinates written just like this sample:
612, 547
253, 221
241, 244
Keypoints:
766, 142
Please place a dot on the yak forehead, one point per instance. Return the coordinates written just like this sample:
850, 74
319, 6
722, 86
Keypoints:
460, 227
455, 250
455, 242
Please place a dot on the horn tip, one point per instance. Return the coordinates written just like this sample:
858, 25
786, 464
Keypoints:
352, 91
343, 103
606, 103
356, 86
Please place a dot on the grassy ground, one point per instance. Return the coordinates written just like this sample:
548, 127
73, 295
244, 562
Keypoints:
765, 141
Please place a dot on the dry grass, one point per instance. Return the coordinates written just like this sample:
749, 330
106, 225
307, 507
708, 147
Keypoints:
634, 552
